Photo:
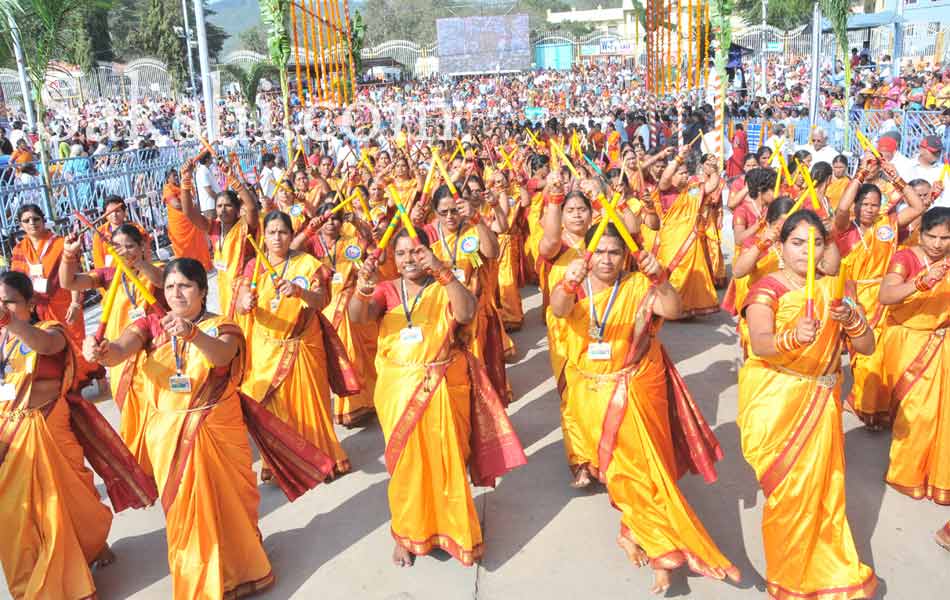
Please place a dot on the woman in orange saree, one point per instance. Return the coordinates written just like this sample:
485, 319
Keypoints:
187, 240
436, 407
190, 370
511, 275
760, 256
340, 255
38, 255
867, 239
636, 420
540, 166
129, 306
710, 225
236, 219
54, 524
463, 240
839, 179
790, 423
678, 246
297, 357
916, 362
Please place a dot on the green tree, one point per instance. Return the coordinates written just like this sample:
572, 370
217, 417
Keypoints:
254, 39
784, 14
274, 14
357, 39
249, 81
836, 11
157, 38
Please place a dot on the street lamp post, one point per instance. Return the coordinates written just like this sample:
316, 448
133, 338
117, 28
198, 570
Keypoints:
205, 69
21, 71
765, 61
191, 62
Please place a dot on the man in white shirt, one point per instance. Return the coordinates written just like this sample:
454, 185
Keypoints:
206, 185
927, 166
818, 148
17, 134
269, 174
888, 145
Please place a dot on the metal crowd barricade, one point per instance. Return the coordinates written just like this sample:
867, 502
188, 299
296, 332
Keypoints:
83, 183
912, 126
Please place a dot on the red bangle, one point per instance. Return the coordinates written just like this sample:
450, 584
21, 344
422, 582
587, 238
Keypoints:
554, 199
445, 276
570, 287
5, 319
475, 219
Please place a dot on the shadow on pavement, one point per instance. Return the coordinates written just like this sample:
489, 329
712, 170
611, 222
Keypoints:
141, 560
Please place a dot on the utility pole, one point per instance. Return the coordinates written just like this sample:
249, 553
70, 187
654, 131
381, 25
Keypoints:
765, 60
205, 69
191, 62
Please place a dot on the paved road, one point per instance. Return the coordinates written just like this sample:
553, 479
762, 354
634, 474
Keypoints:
544, 539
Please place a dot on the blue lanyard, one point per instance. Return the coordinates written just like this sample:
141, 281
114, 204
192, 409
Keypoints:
597, 326
180, 356
129, 293
458, 237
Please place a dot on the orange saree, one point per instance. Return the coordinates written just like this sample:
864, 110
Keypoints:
865, 258
296, 358
439, 415
187, 240
639, 428
679, 248
917, 373
54, 521
52, 302
791, 434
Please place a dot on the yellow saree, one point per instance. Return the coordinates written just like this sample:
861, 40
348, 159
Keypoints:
359, 340
917, 373
230, 255
790, 425
865, 258
436, 419
199, 448
680, 249
289, 358
632, 428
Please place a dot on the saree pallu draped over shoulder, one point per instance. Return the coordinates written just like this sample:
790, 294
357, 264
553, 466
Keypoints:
54, 521
680, 249
298, 359
439, 414
917, 373
791, 434
640, 430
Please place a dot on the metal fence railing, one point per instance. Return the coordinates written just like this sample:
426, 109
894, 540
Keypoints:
83, 183
912, 126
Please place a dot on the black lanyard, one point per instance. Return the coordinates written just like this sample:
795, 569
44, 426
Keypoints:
404, 296
326, 250
129, 293
282, 273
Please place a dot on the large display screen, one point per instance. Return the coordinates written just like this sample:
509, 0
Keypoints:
483, 44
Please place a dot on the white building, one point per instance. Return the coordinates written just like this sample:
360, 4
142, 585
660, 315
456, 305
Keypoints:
620, 21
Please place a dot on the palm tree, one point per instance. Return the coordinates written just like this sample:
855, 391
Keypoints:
836, 11
274, 15
249, 81
45, 27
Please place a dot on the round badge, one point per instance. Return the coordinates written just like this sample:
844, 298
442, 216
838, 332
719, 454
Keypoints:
885, 233
24, 349
693, 192
296, 210
469, 244
301, 281
353, 252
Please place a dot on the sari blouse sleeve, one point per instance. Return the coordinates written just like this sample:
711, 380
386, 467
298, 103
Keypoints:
386, 296
905, 263
766, 291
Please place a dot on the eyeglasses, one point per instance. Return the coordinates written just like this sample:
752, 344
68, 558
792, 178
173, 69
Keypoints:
31, 220
448, 211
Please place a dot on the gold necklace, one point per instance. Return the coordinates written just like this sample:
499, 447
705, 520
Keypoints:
792, 281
